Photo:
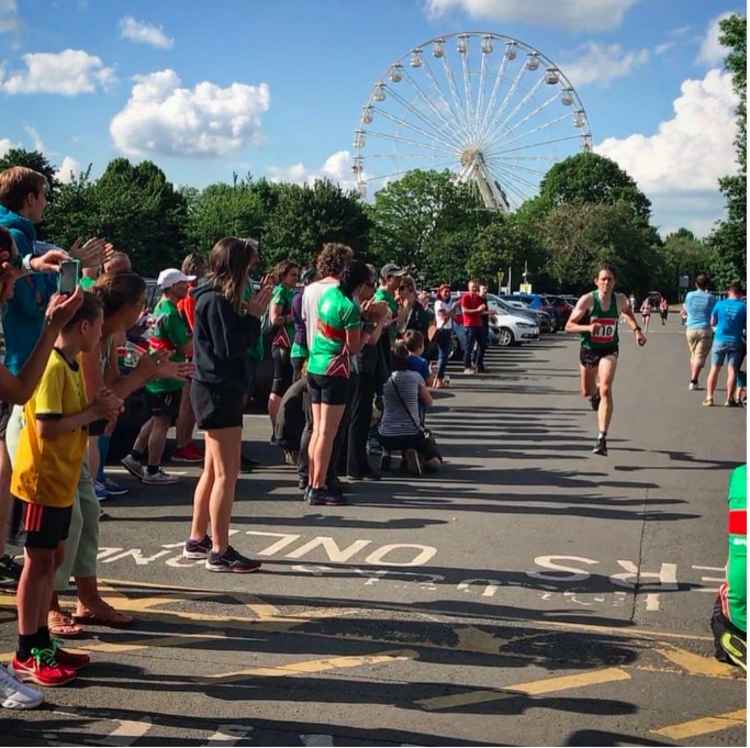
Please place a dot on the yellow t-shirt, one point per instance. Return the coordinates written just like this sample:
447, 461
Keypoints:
46, 471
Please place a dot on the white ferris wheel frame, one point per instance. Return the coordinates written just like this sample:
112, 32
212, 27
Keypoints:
492, 173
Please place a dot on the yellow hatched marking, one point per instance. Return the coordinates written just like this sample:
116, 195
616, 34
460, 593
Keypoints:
315, 666
685, 730
695, 664
533, 688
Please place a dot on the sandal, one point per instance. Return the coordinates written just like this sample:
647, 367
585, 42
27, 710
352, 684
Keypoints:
62, 625
112, 618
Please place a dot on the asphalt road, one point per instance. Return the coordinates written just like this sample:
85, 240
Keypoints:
530, 594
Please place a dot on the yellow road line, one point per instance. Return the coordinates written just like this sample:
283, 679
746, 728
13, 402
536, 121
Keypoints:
533, 688
704, 725
315, 666
695, 664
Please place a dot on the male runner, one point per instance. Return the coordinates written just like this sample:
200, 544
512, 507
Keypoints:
595, 317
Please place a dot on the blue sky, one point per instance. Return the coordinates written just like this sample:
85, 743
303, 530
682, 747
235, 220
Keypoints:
276, 88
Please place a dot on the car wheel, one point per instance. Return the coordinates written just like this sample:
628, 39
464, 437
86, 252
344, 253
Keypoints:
505, 337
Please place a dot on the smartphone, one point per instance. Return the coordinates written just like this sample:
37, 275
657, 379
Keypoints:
68, 277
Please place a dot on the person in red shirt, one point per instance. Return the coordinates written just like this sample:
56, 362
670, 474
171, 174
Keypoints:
187, 450
472, 306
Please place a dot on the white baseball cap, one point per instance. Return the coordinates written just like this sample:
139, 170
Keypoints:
167, 278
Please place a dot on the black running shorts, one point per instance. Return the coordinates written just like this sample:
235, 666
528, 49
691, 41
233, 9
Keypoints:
282, 370
216, 407
590, 358
328, 390
46, 526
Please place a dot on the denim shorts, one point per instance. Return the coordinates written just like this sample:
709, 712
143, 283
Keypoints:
732, 353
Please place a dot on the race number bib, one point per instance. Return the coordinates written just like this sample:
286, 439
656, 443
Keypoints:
604, 330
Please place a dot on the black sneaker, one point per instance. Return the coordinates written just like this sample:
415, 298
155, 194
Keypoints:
595, 400
600, 448
231, 561
333, 497
10, 570
196, 549
316, 496
302, 484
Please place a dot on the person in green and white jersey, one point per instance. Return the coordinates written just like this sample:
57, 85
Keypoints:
338, 336
595, 319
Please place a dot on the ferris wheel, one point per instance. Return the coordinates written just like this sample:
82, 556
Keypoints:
491, 108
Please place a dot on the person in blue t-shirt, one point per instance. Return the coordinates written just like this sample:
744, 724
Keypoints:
729, 320
696, 313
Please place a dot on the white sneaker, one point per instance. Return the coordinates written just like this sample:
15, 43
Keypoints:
159, 478
17, 695
693, 386
132, 466
468, 371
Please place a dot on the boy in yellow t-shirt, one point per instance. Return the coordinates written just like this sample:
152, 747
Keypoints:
46, 472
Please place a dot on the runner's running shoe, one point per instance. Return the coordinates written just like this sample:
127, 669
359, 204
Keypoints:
315, 496
114, 488
42, 668
10, 570
17, 695
231, 561
600, 447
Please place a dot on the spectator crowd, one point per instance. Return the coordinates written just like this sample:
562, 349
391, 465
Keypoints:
350, 382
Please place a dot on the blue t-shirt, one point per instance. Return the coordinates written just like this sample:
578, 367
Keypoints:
699, 305
420, 365
730, 316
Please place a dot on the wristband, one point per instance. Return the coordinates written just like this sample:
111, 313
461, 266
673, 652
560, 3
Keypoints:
26, 263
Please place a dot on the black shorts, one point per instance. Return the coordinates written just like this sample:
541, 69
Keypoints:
282, 370
5, 410
328, 390
216, 407
591, 358
46, 526
164, 403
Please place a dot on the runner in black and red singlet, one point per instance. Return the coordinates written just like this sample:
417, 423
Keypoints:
595, 318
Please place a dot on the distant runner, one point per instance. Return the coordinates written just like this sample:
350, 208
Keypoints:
595, 318
646, 312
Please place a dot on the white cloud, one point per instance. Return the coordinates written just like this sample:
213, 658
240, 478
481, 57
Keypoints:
603, 63
144, 33
9, 20
711, 51
5, 145
337, 167
69, 73
660, 49
678, 167
38, 142
576, 15
69, 169
163, 117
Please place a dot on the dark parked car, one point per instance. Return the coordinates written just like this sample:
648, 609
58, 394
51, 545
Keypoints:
562, 309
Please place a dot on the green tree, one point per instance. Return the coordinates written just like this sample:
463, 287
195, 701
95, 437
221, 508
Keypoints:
729, 238
428, 220
135, 207
33, 160
303, 217
681, 254
506, 243
581, 235
589, 178
222, 210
